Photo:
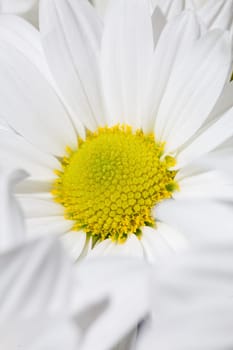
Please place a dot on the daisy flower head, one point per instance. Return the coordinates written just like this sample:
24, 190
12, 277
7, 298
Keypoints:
111, 119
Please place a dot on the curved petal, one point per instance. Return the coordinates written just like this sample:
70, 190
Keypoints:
38, 207
127, 48
49, 225
189, 98
204, 184
112, 281
71, 35
30, 105
194, 217
161, 242
221, 158
217, 13
74, 243
172, 8
26, 39
224, 103
181, 34
16, 151
193, 293
36, 297
45, 284
208, 140
38, 188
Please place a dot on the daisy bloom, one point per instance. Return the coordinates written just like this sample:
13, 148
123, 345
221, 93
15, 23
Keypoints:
110, 120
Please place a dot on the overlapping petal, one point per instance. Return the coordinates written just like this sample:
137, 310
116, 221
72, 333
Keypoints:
75, 67
126, 56
193, 293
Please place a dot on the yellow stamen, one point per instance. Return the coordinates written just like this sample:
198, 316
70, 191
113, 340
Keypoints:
110, 183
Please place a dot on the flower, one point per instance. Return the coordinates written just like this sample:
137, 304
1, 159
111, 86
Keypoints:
214, 13
111, 122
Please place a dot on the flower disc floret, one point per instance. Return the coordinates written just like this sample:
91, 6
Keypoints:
110, 183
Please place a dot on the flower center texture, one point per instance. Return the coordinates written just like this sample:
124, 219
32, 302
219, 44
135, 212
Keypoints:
110, 183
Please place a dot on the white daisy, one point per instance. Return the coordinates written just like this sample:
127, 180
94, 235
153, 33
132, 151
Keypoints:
110, 119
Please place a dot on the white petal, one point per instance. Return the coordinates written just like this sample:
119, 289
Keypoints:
192, 293
26, 39
74, 243
175, 239
127, 49
172, 8
206, 184
194, 217
45, 284
224, 102
54, 225
37, 207
71, 35
41, 332
35, 187
221, 158
16, 151
15, 6
155, 247
12, 225
119, 310
189, 97
208, 140
132, 247
30, 105
162, 242
218, 13
180, 34
21, 35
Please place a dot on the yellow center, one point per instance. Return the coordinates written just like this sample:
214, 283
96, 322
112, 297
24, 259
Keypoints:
110, 183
